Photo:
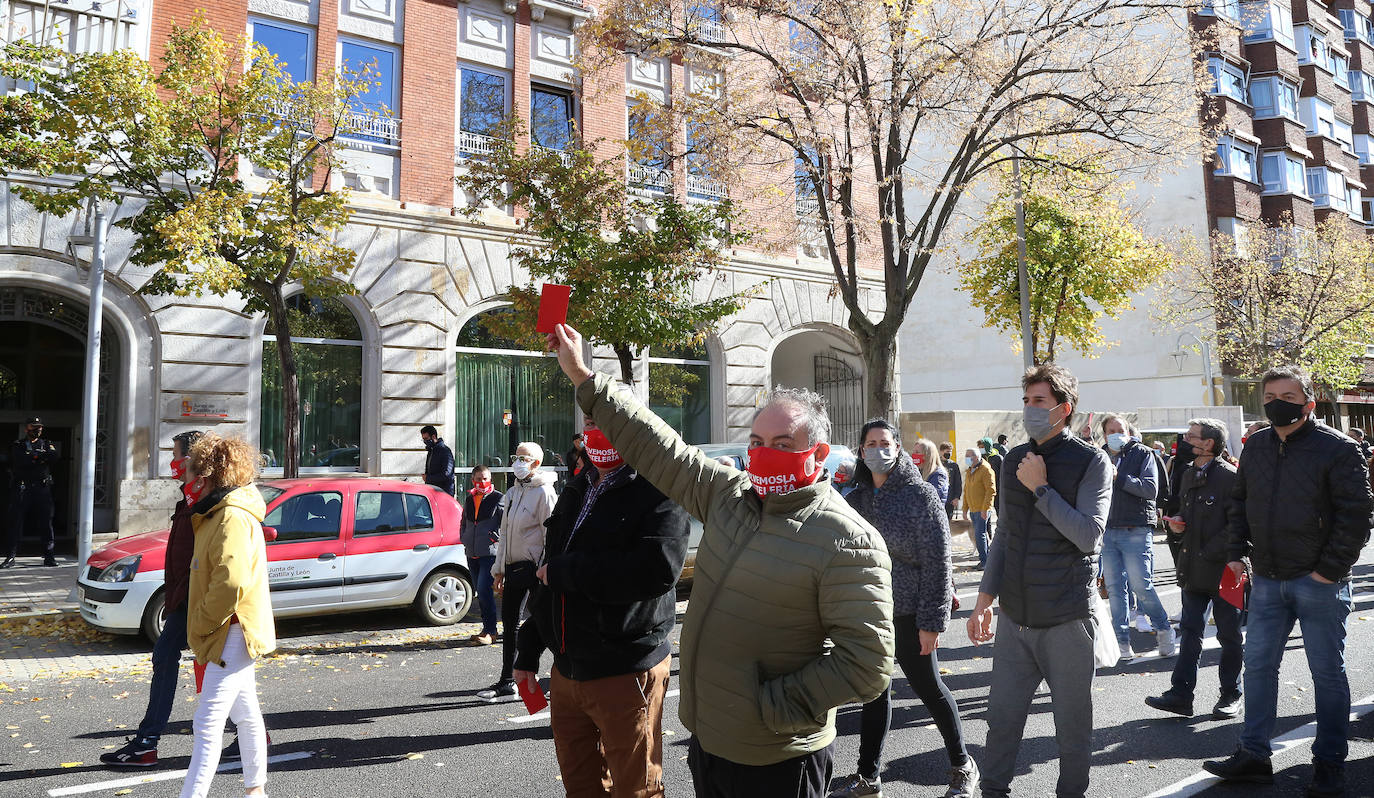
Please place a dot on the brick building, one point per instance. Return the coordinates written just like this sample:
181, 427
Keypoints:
406, 349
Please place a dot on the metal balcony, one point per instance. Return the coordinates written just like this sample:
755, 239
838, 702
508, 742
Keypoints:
475, 145
702, 187
652, 179
371, 127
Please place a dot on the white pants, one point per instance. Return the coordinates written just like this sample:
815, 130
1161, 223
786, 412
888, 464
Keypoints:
229, 691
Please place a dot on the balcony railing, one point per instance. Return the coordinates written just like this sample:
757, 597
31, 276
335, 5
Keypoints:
710, 30
77, 26
808, 208
653, 179
701, 187
371, 127
563, 155
475, 145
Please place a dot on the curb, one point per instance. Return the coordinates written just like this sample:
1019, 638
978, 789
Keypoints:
14, 616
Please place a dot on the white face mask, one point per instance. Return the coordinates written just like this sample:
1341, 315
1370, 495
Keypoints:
521, 469
969, 462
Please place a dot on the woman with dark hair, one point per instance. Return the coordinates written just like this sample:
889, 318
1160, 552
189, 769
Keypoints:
890, 493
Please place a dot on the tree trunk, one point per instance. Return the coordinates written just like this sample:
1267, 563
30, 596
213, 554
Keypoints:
879, 352
626, 356
290, 386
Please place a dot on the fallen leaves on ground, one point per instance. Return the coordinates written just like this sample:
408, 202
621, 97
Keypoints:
62, 626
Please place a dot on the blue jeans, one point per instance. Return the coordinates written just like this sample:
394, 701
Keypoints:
1128, 563
166, 662
980, 535
1191, 626
480, 569
1322, 610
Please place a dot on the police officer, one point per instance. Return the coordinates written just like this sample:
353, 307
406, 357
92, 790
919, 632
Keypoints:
31, 459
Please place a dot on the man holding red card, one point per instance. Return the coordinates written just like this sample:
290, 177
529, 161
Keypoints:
1201, 568
1301, 511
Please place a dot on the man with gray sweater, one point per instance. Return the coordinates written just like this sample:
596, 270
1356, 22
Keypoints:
1053, 510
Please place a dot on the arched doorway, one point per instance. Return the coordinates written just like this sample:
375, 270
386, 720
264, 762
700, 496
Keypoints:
828, 363
42, 365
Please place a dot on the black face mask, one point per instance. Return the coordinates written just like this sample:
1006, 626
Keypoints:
1281, 413
1185, 452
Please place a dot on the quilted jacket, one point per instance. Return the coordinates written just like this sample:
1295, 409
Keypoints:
791, 609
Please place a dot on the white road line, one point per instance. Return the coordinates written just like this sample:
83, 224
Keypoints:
134, 781
1302, 735
544, 713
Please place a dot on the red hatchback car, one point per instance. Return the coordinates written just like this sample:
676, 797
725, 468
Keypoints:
334, 545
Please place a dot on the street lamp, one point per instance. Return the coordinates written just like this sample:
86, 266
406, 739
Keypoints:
93, 236
1180, 354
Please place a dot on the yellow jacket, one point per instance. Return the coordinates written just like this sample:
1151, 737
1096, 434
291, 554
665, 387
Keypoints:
229, 576
980, 488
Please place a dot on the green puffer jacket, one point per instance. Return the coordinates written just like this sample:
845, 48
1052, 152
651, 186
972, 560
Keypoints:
791, 608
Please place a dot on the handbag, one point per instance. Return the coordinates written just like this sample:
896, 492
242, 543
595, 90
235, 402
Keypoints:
1106, 652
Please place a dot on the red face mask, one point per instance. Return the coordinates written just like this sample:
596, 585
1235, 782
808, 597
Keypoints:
193, 490
178, 468
480, 487
775, 472
600, 450
918, 458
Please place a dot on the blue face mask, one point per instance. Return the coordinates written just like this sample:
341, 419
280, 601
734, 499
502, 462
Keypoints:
1117, 441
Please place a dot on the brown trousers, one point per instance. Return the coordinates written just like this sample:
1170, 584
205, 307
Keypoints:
608, 733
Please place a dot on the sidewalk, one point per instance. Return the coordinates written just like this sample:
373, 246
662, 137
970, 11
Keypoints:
29, 588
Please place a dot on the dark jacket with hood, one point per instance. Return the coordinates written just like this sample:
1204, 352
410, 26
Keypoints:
480, 528
907, 511
1135, 487
610, 603
439, 465
1203, 499
1301, 505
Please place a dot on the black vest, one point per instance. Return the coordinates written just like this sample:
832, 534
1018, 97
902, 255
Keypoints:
1046, 579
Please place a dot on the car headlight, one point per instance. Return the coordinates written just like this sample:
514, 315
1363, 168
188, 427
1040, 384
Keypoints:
122, 570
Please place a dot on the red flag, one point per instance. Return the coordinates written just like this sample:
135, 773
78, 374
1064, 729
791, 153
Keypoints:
534, 698
553, 307
1232, 588
200, 675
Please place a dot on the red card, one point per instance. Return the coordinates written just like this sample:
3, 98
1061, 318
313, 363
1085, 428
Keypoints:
1232, 588
534, 699
200, 675
553, 306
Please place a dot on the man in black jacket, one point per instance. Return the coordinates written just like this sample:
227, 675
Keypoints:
1053, 504
956, 479
1199, 563
1301, 511
614, 550
31, 461
438, 460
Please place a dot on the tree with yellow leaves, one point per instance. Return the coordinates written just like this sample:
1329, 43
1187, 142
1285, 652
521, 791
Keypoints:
231, 164
1085, 258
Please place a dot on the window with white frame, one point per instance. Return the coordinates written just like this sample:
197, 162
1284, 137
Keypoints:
1357, 25
89, 26
483, 102
371, 118
1367, 207
1268, 20
1313, 47
1364, 147
1236, 158
1319, 116
1340, 69
1283, 173
292, 45
1345, 135
1353, 201
1326, 187
1228, 80
1274, 96
1361, 86
1235, 228
1221, 8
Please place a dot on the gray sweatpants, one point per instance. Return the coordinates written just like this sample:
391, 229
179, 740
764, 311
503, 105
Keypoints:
1061, 656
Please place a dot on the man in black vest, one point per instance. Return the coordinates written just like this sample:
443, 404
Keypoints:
31, 460
1041, 567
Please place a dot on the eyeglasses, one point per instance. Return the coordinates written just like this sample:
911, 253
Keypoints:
521, 458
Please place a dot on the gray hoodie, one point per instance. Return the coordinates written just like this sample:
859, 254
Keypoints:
524, 509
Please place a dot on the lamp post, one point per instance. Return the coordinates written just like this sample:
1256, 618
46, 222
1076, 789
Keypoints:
1206, 361
85, 511
1022, 281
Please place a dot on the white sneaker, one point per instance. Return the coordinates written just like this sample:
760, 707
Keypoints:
1168, 642
1142, 623
1127, 653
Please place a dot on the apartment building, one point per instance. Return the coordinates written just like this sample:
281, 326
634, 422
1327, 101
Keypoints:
408, 348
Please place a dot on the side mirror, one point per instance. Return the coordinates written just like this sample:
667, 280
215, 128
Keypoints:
269, 533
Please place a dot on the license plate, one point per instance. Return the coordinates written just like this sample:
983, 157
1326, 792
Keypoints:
80, 594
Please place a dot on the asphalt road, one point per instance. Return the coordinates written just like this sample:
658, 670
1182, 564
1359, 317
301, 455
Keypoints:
392, 712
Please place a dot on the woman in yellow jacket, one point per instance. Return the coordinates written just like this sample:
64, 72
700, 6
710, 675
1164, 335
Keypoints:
229, 613
980, 490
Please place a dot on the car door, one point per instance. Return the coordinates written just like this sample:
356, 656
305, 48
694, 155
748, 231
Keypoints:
304, 566
390, 546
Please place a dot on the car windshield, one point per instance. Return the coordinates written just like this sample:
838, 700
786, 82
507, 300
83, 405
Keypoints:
269, 493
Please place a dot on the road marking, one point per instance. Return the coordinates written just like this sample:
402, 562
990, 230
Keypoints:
543, 714
1302, 735
134, 781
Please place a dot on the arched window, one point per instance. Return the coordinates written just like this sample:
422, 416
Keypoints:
507, 392
680, 390
328, 344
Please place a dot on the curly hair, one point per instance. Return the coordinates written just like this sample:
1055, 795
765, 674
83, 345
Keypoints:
224, 462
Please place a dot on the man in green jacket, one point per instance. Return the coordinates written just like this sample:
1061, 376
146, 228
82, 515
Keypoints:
791, 610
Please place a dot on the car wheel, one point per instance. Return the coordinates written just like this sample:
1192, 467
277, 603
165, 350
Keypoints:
155, 616
444, 598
